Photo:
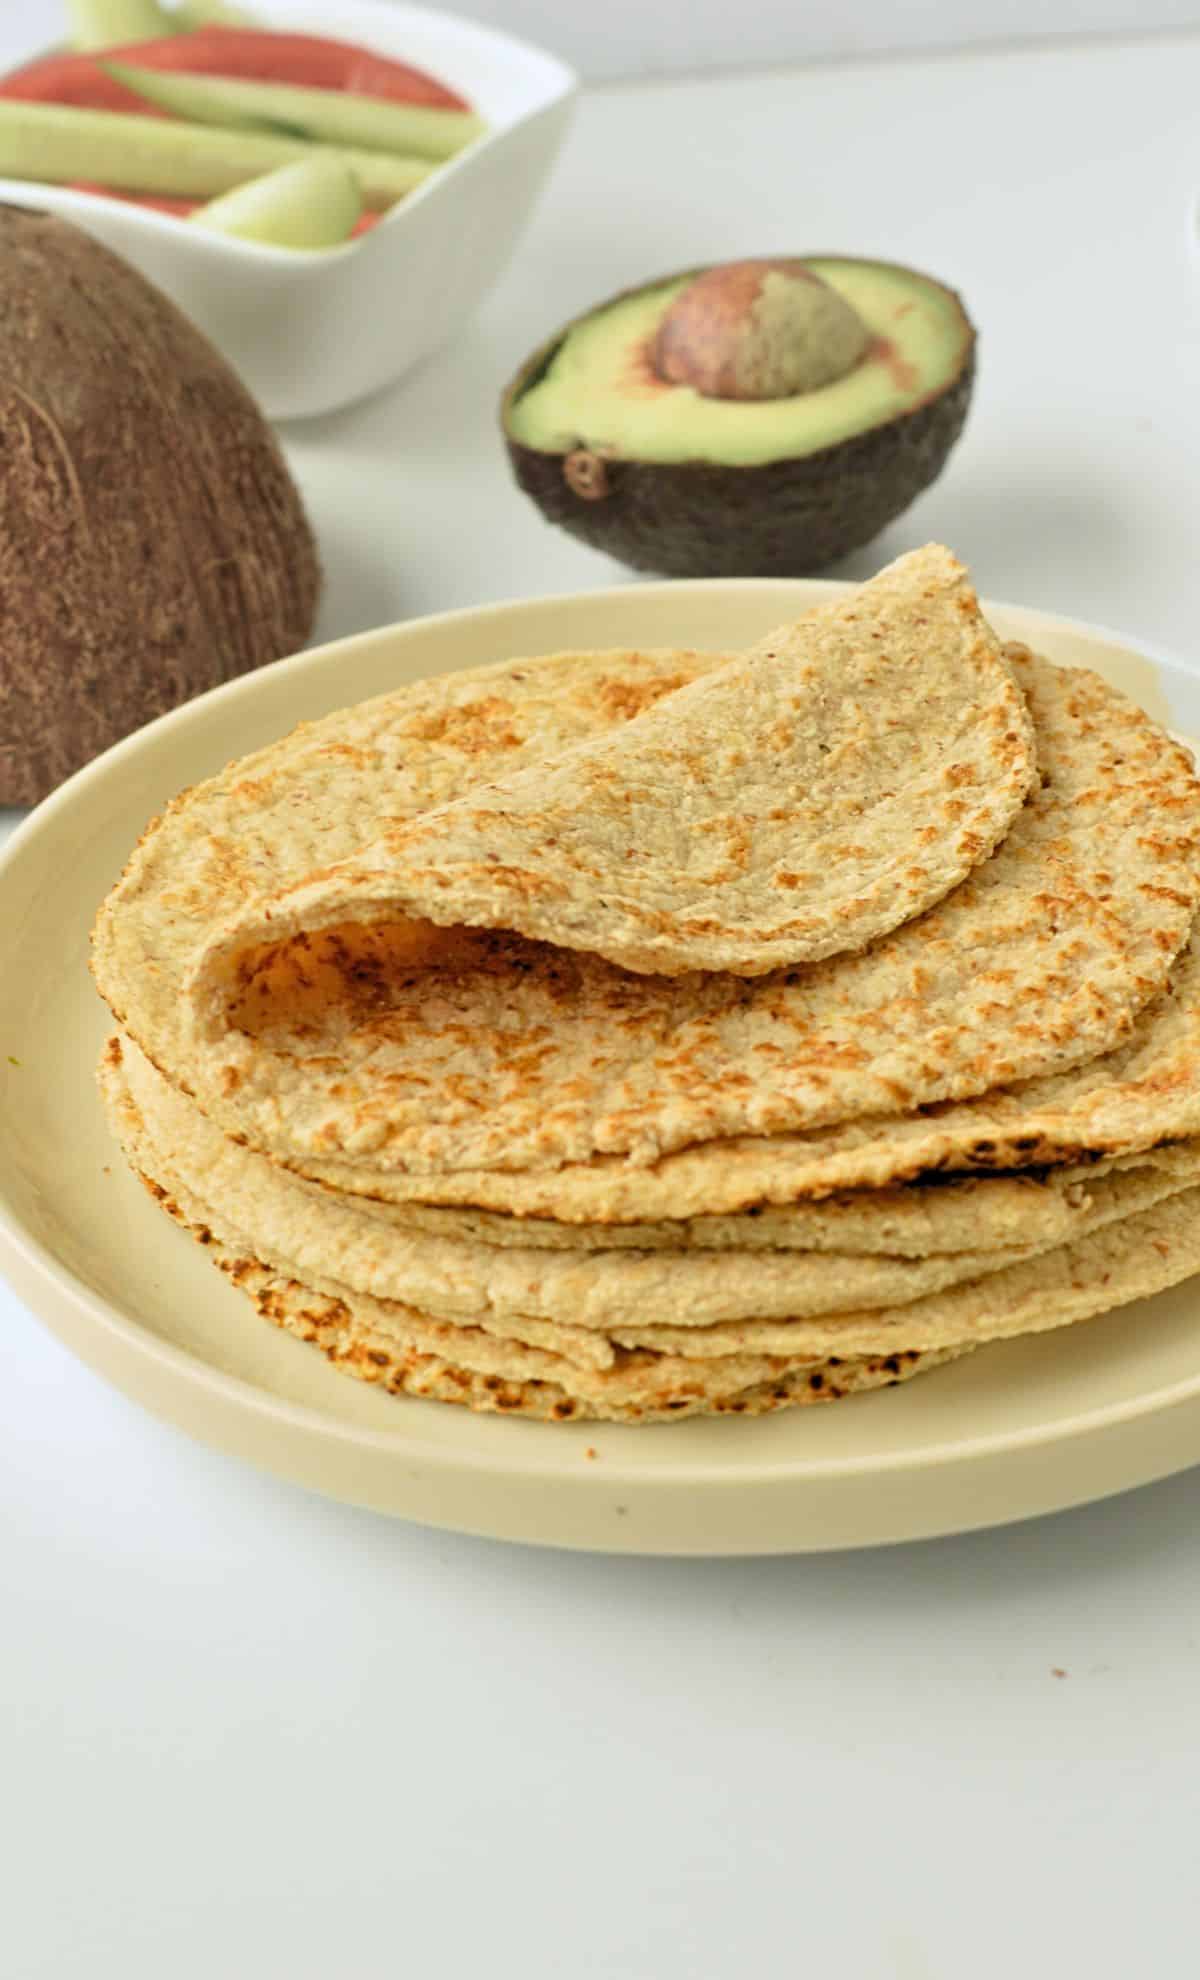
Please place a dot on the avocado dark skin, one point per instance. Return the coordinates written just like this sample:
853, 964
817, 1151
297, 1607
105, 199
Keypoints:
789, 517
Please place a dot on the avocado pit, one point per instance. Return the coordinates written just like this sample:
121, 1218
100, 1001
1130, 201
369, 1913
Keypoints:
752, 330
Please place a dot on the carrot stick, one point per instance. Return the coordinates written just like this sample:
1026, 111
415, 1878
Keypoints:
259, 55
245, 54
76, 80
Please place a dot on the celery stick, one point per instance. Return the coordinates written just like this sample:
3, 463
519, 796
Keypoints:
109, 23
57, 143
315, 203
331, 115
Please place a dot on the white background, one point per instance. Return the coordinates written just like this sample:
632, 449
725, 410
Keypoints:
604, 39
245, 1732
625, 38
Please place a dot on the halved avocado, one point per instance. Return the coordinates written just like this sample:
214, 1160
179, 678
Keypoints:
713, 477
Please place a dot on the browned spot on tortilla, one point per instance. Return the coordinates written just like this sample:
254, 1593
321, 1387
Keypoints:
622, 700
478, 728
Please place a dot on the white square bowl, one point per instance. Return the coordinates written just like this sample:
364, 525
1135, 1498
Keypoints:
309, 333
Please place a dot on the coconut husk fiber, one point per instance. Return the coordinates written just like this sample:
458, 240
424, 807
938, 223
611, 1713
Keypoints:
152, 540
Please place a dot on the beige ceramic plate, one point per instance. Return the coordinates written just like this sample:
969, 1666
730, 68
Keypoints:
1017, 1429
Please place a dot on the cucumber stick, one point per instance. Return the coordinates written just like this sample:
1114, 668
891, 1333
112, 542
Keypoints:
332, 116
54, 143
109, 23
315, 203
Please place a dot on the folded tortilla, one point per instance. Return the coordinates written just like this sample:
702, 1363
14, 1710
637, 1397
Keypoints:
490, 1052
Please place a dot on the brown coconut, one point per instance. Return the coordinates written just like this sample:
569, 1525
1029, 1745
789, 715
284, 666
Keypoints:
152, 540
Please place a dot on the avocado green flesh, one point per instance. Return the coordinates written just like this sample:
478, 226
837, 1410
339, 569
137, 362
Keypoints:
599, 390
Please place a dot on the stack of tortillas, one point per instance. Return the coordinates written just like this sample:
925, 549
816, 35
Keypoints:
634, 1034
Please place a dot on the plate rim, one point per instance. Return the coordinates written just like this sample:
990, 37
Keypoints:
39, 1267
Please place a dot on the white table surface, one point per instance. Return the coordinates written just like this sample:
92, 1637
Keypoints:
247, 1732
